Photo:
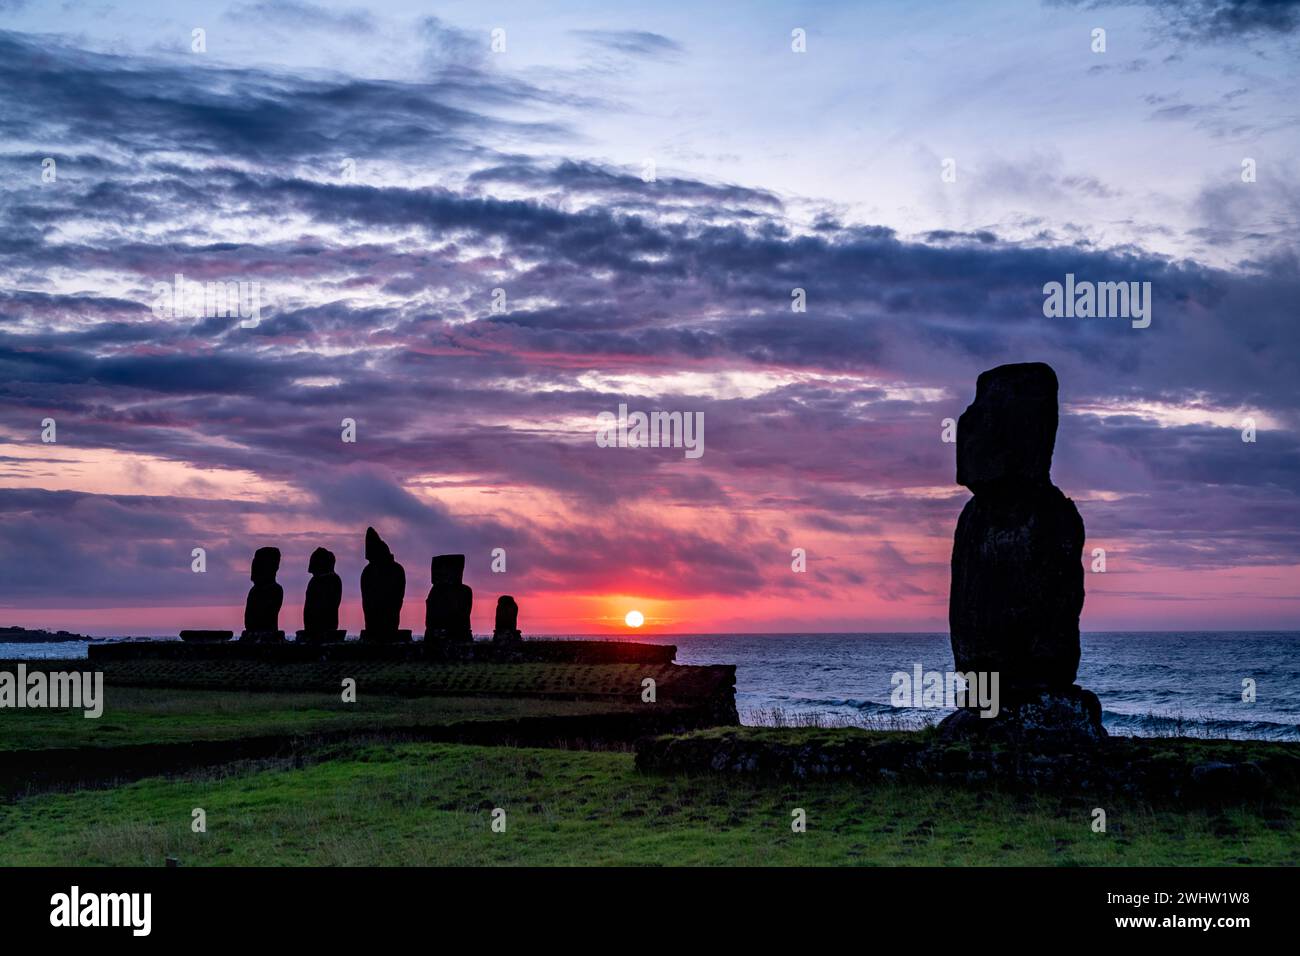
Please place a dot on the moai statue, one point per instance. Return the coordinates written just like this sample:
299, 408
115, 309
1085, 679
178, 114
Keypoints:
1017, 574
320, 610
506, 630
383, 586
265, 597
447, 608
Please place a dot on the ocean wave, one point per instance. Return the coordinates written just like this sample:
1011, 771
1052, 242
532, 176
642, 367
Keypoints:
1170, 725
843, 703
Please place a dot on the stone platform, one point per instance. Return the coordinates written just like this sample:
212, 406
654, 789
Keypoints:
553, 652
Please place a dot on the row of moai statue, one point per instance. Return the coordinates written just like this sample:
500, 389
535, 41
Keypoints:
383, 588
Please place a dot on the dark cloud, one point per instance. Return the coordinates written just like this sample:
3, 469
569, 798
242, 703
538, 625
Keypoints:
57, 95
292, 13
632, 42
579, 177
1212, 20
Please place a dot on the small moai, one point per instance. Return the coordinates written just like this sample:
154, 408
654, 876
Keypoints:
320, 609
383, 587
450, 601
265, 598
506, 630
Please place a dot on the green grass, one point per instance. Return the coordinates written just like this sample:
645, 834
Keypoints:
152, 715
406, 804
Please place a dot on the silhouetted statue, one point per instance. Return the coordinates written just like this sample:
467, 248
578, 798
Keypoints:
447, 608
506, 630
1017, 577
265, 597
320, 610
383, 586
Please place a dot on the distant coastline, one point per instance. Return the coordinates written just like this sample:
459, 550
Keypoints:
23, 635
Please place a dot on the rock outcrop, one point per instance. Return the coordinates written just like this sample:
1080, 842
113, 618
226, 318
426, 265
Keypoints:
383, 588
265, 598
1017, 574
450, 601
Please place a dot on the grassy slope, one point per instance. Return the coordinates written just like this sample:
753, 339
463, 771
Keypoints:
149, 715
431, 804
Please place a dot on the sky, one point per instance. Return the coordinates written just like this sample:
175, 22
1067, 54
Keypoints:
473, 228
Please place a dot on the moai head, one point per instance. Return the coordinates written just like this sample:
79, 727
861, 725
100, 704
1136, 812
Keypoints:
446, 569
266, 562
376, 550
1006, 436
507, 614
321, 562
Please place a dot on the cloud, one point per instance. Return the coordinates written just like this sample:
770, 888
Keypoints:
476, 423
292, 13
1213, 20
640, 43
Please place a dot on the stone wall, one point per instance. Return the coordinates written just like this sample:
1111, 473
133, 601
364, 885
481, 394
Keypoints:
554, 652
1152, 767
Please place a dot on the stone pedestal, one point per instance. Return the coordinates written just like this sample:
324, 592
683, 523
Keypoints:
321, 637
1056, 717
262, 637
372, 636
206, 637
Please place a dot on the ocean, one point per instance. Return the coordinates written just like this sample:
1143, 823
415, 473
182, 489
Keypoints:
1150, 683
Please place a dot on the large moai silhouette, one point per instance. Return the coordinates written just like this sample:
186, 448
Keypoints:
265, 598
383, 586
320, 609
1017, 574
450, 601
506, 628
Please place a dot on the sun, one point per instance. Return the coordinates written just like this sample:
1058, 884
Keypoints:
634, 619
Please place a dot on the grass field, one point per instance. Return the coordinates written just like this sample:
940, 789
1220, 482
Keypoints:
405, 804
157, 715
358, 797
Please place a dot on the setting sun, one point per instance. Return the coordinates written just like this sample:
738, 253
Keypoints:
634, 619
